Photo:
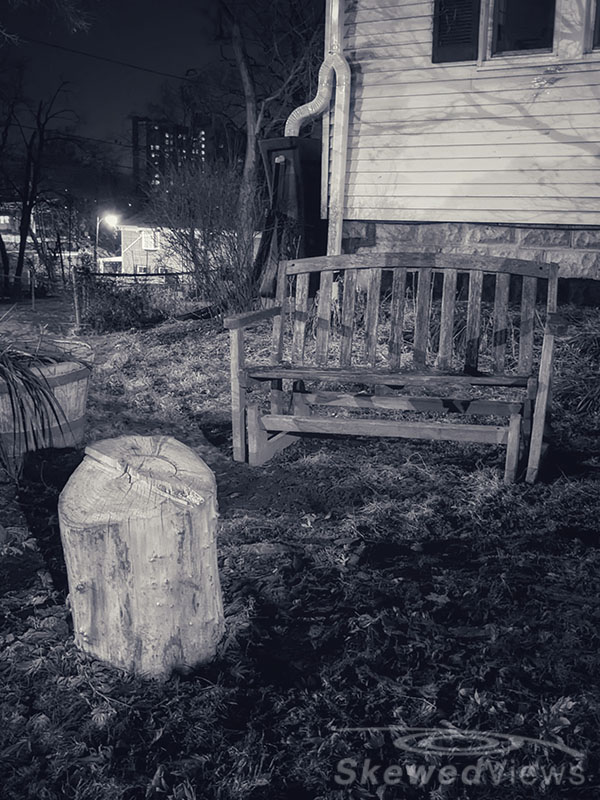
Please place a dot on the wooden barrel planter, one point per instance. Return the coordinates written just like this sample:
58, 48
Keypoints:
68, 382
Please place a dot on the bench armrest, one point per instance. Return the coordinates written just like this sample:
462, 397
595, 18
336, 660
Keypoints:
250, 317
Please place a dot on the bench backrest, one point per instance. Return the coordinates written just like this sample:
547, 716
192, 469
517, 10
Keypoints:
453, 312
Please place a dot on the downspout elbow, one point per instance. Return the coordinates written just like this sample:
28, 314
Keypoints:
317, 105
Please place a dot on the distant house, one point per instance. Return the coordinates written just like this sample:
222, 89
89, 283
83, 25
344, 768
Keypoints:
472, 125
9, 224
10, 214
143, 250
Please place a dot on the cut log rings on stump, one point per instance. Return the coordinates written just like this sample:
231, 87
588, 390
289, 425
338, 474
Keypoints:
138, 522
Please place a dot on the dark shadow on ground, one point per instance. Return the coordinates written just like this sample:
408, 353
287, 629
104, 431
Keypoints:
44, 476
569, 463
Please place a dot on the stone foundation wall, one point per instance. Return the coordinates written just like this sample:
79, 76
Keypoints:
577, 250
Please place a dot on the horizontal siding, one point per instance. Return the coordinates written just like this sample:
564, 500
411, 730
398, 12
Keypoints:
520, 203
483, 152
479, 189
544, 107
393, 73
392, 84
575, 96
553, 125
451, 142
368, 31
365, 11
421, 181
476, 215
487, 166
403, 138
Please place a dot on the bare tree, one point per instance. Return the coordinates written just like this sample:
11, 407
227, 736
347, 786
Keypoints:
71, 12
271, 51
11, 92
276, 46
32, 129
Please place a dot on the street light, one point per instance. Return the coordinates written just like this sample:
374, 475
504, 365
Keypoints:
112, 220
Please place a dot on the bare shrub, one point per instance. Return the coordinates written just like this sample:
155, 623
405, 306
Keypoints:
197, 208
114, 307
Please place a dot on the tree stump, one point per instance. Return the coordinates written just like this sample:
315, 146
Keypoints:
137, 521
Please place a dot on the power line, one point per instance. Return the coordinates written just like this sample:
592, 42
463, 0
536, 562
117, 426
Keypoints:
106, 59
66, 136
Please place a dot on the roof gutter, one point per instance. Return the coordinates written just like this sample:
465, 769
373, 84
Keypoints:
334, 70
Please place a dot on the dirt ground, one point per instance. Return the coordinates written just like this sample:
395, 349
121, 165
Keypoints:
364, 583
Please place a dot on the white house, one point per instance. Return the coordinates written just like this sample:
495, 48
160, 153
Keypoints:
472, 124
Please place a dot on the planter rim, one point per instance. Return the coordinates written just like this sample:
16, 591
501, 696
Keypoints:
57, 374
75, 349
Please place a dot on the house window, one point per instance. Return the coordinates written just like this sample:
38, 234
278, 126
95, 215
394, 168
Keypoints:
149, 240
523, 25
4, 219
596, 38
518, 26
455, 30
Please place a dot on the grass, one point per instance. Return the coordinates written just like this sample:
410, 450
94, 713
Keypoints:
367, 584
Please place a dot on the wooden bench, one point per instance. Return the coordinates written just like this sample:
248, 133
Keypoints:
411, 345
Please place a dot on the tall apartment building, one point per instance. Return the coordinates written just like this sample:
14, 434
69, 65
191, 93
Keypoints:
159, 145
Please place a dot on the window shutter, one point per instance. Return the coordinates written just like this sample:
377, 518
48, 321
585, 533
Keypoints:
455, 30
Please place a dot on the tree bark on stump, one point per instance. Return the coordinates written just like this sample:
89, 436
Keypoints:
138, 520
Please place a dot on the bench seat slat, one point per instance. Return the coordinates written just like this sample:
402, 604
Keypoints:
453, 405
370, 376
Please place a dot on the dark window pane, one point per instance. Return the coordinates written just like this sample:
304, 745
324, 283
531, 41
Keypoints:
455, 30
597, 26
523, 25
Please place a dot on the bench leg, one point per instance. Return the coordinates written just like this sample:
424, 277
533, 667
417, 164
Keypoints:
238, 423
512, 449
277, 403
238, 396
262, 446
300, 407
528, 407
537, 446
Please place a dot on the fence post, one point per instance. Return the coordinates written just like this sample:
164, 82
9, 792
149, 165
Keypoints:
76, 300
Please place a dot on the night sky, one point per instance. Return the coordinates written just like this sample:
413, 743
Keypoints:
169, 36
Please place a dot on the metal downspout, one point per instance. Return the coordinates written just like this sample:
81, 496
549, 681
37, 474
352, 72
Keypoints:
333, 64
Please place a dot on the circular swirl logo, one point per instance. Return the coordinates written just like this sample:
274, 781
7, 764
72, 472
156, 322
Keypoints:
445, 741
